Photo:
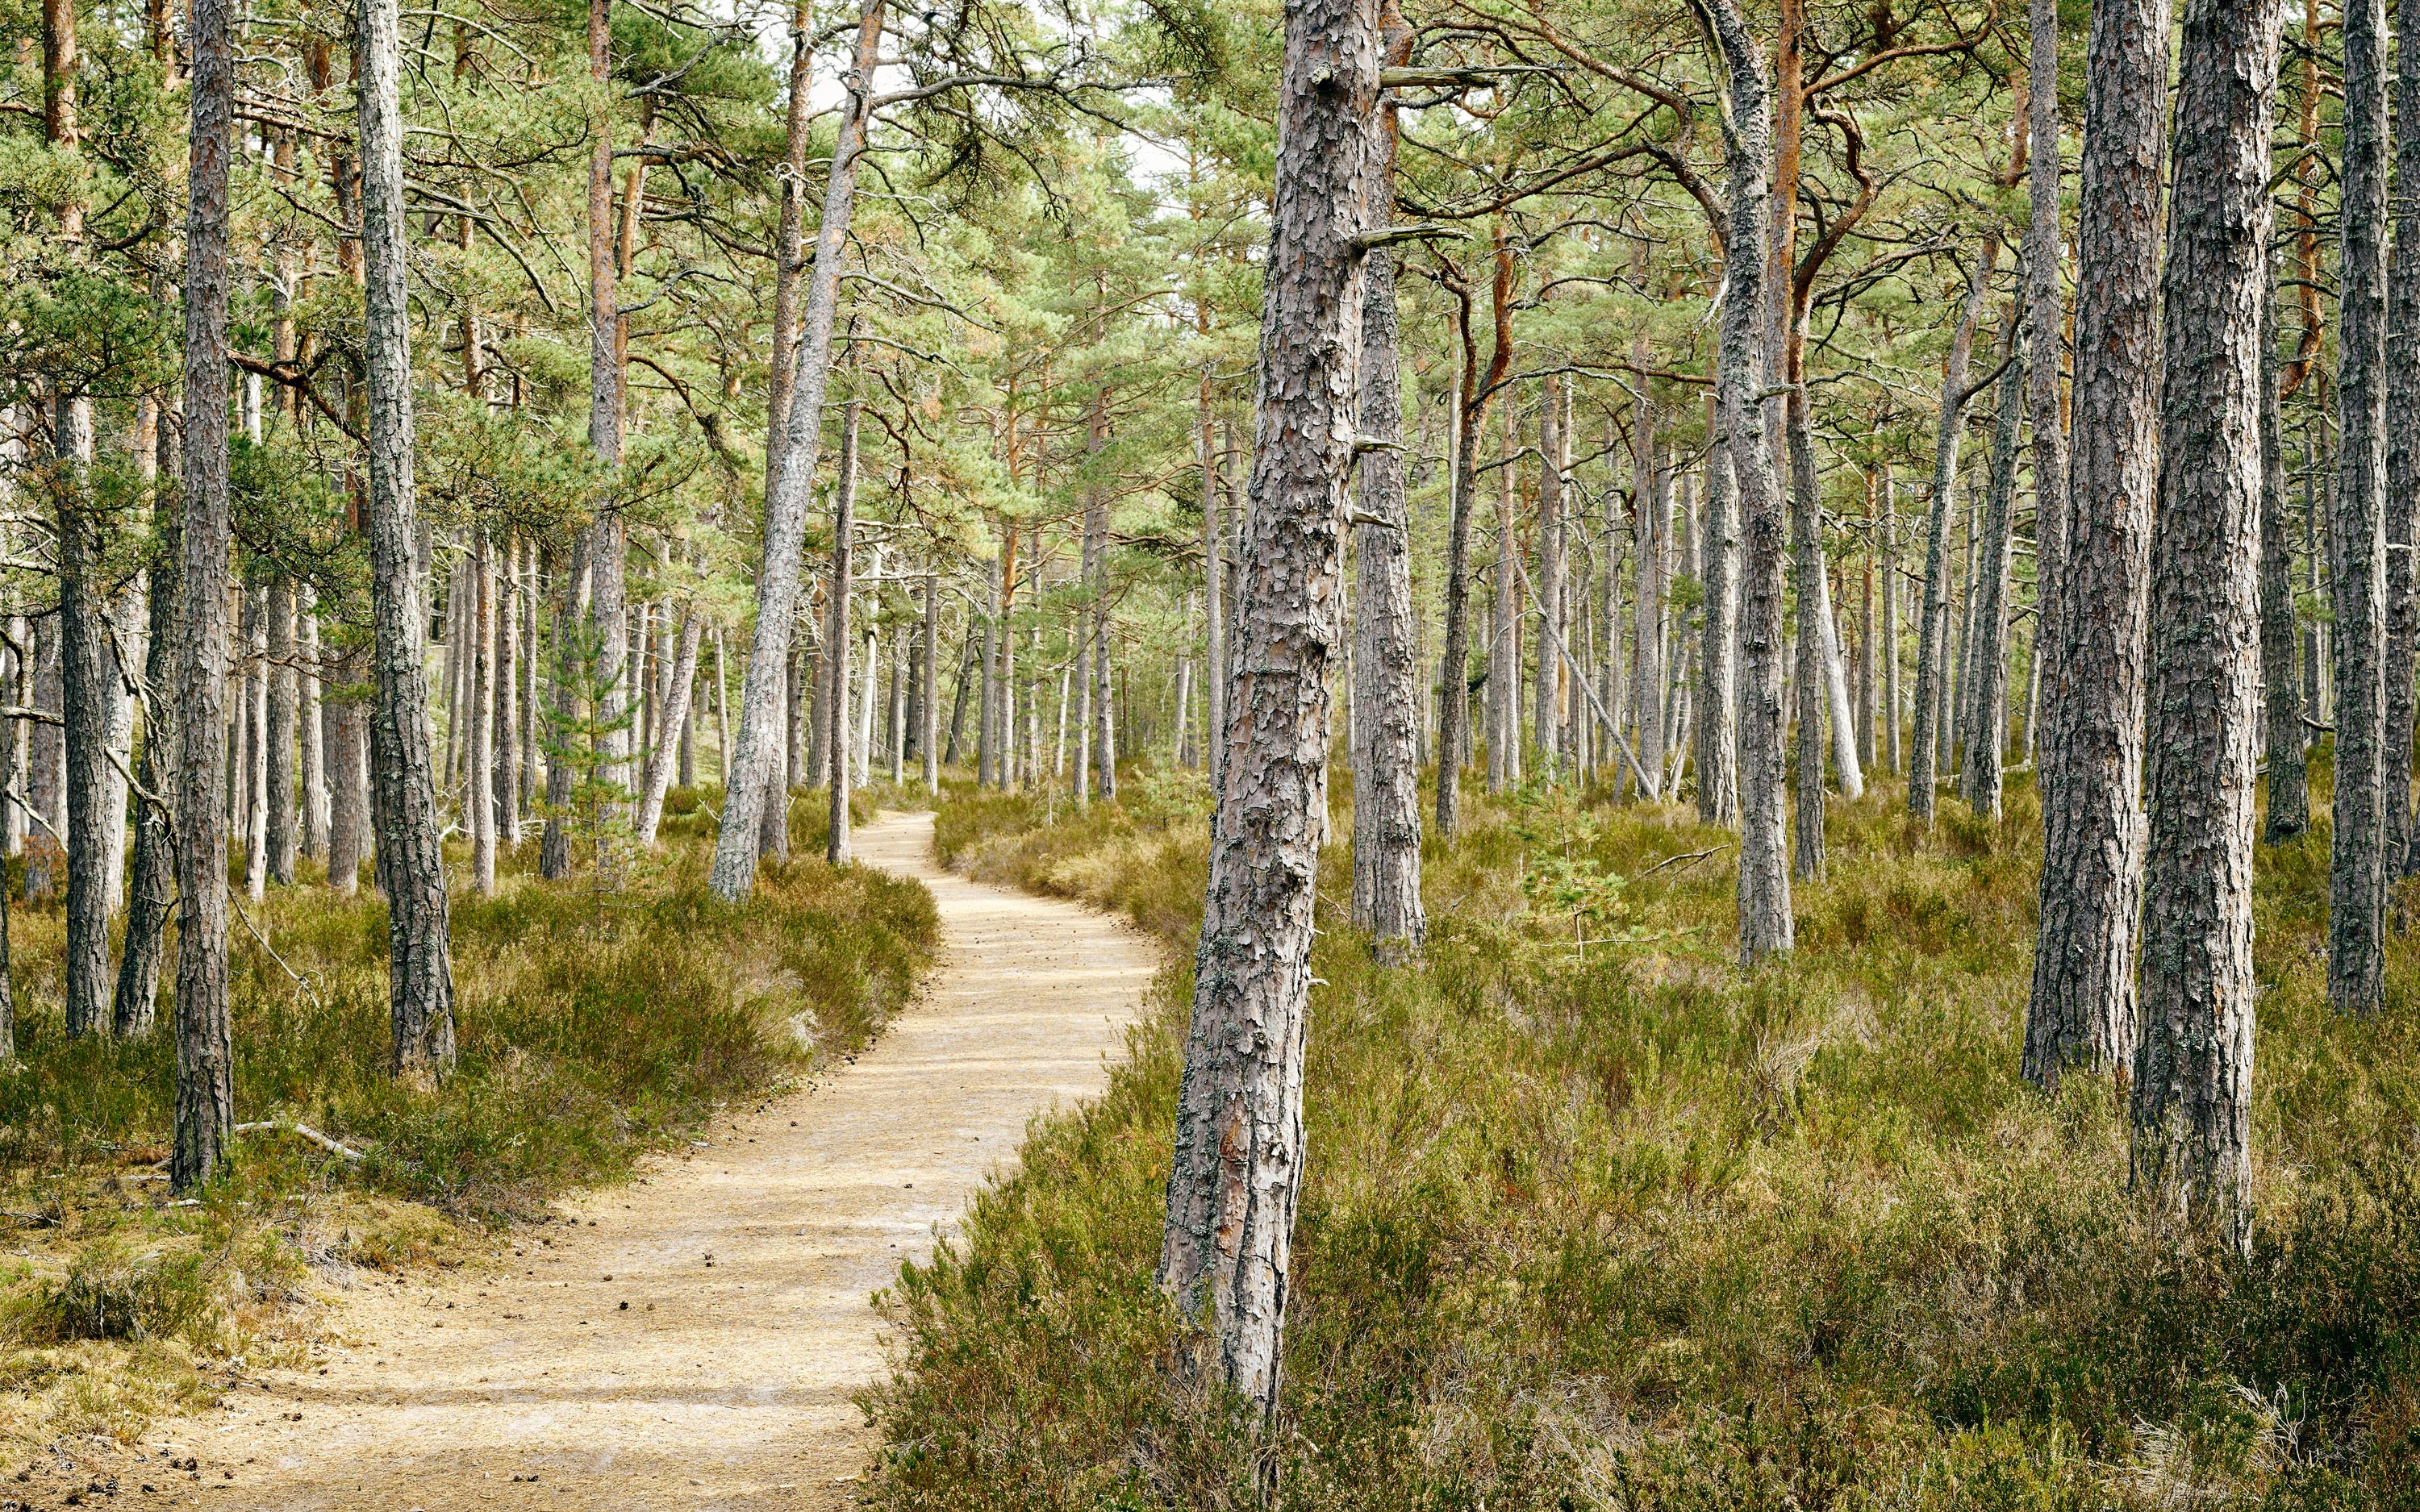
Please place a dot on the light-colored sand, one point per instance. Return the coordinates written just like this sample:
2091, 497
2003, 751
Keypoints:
615, 1364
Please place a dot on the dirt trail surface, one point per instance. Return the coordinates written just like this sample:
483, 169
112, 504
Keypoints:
691, 1341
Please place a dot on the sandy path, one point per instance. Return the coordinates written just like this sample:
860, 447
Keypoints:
611, 1365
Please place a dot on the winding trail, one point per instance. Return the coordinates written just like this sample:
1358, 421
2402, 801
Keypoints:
613, 1363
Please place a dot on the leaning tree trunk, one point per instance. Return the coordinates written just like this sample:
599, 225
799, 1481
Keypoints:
1385, 664
1764, 918
150, 892
2192, 1098
1239, 1157
2081, 1010
676, 712
1987, 701
2289, 785
403, 788
1933, 620
2402, 451
2357, 859
205, 1050
757, 772
1718, 670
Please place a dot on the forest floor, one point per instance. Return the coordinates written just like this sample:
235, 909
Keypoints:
693, 1339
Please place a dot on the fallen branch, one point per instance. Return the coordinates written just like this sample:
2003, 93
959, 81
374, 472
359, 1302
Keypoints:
1690, 858
306, 1130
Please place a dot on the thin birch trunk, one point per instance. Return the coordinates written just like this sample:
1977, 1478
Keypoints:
1932, 624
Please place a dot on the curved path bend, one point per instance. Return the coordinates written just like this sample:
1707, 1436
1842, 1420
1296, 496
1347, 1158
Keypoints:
683, 1382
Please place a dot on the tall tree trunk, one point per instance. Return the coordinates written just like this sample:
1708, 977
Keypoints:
1744, 373
1987, 702
87, 686
1386, 670
403, 787
1892, 755
1814, 632
1932, 624
1214, 574
836, 848
929, 708
1717, 667
283, 821
554, 843
2357, 859
2082, 1008
480, 707
2192, 1097
2402, 353
151, 894
757, 772
1653, 527
506, 767
205, 1053
2045, 320
1546, 699
2289, 789
314, 729
1236, 1177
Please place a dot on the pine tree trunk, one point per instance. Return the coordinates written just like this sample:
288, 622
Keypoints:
1544, 699
2289, 789
1892, 754
555, 844
1987, 703
314, 729
480, 801
282, 823
505, 781
2045, 321
2402, 353
2358, 557
929, 709
152, 890
1385, 670
836, 848
755, 773
1655, 528
1933, 622
403, 788
1717, 692
1814, 632
87, 682
205, 1054
2082, 1008
1744, 373
1236, 1173
2192, 1096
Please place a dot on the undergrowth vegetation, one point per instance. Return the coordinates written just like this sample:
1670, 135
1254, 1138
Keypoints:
596, 1021
1591, 1220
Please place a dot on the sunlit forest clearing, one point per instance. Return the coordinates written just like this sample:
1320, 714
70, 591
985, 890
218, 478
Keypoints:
1750, 667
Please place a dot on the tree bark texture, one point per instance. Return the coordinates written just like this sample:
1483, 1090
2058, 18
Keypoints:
2192, 1096
1385, 668
2358, 557
151, 890
1765, 924
2044, 314
1808, 568
2082, 1006
836, 634
1239, 1157
1718, 665
2289, 786
2402, 350
282, 824
403, 786
1987, 701
205, 1053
